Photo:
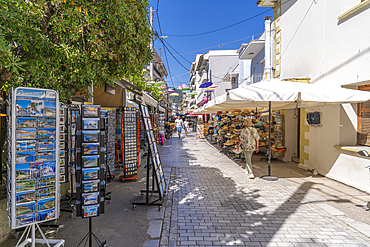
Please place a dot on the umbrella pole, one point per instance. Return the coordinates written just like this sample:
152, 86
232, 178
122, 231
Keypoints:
269, 177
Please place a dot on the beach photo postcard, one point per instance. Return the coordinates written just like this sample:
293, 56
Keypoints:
45, 123
90, 211
90, 198
90, 111
25, 157
90, 173
25, 219
46, 182
25, 196
25, 184
90, 148
26, 133
62, 153
46, 145
90, 161
46, 214
47, 155
90, 186
46, 193
29, 145
90, 123
90, 135
26, 122
22, 171
46, 134
25, 208
50, 108
45, 204
49, 168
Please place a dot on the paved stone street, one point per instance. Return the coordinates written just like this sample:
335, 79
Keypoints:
211, 202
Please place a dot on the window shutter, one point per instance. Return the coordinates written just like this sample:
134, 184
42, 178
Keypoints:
363, 136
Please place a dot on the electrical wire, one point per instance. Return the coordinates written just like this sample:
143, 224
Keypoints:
173, 55
177, 52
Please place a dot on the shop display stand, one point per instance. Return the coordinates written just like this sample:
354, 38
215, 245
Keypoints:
89, 237
269, 177
32, 241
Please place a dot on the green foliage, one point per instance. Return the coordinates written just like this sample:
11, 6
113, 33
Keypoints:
65, 45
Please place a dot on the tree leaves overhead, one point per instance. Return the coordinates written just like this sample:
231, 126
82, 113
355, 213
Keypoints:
65, 45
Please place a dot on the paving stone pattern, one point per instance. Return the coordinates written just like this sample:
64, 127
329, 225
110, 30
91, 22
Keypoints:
211, 202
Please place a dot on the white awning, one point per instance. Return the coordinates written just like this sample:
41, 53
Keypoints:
149, 100
161, 109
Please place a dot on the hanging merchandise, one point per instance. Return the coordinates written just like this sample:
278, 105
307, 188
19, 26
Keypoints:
119, 157
109, 115
200, 130
130, 143
63, 143
160, 125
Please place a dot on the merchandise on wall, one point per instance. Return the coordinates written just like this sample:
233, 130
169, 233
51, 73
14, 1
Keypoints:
63, 142
90, 165
33, 156
200, 130
109, 115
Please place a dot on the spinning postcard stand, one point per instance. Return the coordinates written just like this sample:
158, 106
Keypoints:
90, 167
157, 171
33, 161
109, 115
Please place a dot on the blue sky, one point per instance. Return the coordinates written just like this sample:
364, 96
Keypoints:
194, 17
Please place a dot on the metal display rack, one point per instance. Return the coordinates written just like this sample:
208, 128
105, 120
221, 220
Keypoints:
109, 115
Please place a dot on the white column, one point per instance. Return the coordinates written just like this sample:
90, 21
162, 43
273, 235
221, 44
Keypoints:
268, 47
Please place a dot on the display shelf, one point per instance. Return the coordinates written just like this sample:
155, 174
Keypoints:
109, 115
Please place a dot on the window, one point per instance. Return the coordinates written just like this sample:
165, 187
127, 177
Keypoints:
363, 136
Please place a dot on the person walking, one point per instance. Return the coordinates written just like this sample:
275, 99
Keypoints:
195, 125
179, 124
186, 127
249, 139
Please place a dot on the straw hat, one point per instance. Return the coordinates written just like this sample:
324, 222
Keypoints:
223, 133
232, 126
228, 143
262, 143
230, 114
237, 110
280, 145
223, 113
248, 122
225, 128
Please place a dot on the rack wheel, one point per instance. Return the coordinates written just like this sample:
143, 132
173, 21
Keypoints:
134, 207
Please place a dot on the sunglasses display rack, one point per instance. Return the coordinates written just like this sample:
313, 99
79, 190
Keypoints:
156, 185
33, 160
109, 115
130, 143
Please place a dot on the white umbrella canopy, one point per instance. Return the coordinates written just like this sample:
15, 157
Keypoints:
284, 95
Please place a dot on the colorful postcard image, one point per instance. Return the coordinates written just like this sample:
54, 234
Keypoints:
25, 196
90, 186
24, 157
62, 137
90, 173
23, 107
62, 178
49, 168
25, 219
46, 134
46, 215
22, 171
90, 211
90, 148
61, 112
62, 153
28, 133
91, 111
61, 120
104, 113
45, 204
25, 184
90, 161
46, 193
26, 122
46, 145
46, 123
73, 129
26, 145
25, 208
49, 108
62, 163
47, 155
62, 145
91, 123
90, 198
72, 155
46, 182
90, 135
73, 141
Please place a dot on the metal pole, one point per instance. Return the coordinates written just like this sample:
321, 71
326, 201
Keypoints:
90, 232
33, 235
151, 43
269, 167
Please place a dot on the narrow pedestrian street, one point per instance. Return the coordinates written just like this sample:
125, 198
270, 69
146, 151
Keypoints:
211, 202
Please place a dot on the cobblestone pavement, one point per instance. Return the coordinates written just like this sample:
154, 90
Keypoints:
211, 202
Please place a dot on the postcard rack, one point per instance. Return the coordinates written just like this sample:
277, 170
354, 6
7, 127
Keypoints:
109, 115
90, 166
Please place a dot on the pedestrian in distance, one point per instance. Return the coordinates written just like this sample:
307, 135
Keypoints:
179, 125
186, 127
195, 125
249, 139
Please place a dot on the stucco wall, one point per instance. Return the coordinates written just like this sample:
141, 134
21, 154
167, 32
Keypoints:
257, 68
290, 140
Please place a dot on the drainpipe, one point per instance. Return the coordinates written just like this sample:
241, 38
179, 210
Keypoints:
268, 47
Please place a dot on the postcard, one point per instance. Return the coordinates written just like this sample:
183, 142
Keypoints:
46, 145
26, 122
24, 157
25, 208
25, 219
62, 153
73, 142
90, 123
29, 145
90, 211
50, 108
90, 135
46, 123
46, 215
46, 182
46, 193
27, 133
36, 169
90, 110
90, 173
62, 178
47, 155
30, 107
90, 198
61, 120
90, 148
46, 134
61, 111
25, 196
22, 171
72, 156
26, 184
45, 204
62, 137
90, 161
73, 129
49, 168
62, 163
90, 186
61, 128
